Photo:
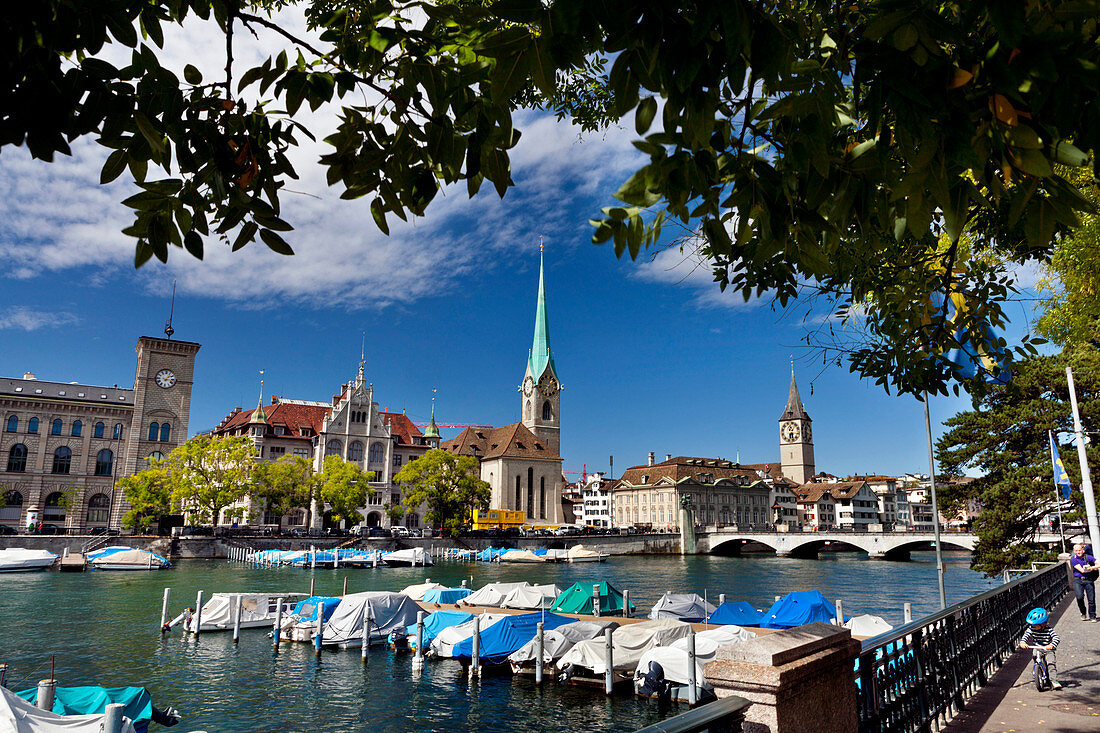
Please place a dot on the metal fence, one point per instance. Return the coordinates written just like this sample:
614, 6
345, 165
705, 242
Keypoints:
721, 716
918, 676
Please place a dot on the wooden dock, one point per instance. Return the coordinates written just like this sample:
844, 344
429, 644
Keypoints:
74, 562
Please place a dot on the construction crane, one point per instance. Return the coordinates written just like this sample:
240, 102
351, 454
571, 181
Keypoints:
452, 425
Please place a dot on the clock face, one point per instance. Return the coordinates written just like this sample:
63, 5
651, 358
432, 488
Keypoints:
528, 385
790, 432
806, 434
165, 378
548, 385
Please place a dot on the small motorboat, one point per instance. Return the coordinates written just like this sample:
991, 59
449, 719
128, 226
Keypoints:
258, 610
580, 553
19, 560
126, 558
412, 557
521, 556
73, 706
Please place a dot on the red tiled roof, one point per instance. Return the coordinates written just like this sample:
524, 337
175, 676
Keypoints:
842, 490
507, 441
401, 426
290, 416
682, 467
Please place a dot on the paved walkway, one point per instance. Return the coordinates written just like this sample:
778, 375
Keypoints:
1010, 703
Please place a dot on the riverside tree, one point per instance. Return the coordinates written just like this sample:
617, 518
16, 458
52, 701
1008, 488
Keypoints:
205, 476
344, 487
1005, 438
448, 484
149, 494
801, 145
287, 484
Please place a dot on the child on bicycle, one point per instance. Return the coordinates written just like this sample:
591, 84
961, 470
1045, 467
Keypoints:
1043, 641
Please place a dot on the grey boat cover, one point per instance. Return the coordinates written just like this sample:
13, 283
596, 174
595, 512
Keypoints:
557, 642
682, 606
19, 716
532, 597
444, 643
674, 658
388, 611
492, 594
628, 644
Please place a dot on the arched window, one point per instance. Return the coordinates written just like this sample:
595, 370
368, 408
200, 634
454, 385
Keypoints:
355, 451
530, 493
118, 431
542, 497
62, 460
165, 432
412, 521
17, 458
77, 427
32, 425
98, 508
377, 453
55, 427
97, 431
54, 511
334, 448
13, 424
519, 504
154, 430
11, 506
155, 454
546, 413
104, 461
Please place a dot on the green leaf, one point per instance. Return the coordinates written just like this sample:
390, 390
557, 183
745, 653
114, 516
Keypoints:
192, 75
275, 243
193, 243
112, 169
643, 117
152, 135
247, 233
378, 212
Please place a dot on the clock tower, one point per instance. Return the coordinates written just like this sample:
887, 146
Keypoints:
796, 442
162, 397
540, 392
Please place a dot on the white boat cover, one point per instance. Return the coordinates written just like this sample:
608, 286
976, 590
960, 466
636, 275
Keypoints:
557, 642
628, 644
17, 559
684, 606
492, 594
388, 611
19, 716
674, 658
125, 558
416, 592
532, 597
257, 609
521, 556
555, 555
867, 625
443, 644
412, 556
580, 553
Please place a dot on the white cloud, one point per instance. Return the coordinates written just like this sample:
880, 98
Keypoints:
688, 269
28, 319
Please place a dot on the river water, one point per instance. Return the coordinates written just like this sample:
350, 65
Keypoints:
101, 629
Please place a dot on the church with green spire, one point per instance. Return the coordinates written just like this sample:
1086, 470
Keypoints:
541, 389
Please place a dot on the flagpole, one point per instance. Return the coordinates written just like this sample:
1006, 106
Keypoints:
1086, 480
935, 507
1061, 529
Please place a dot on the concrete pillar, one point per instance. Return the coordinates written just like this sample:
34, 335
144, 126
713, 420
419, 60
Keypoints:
799, 680
687, 531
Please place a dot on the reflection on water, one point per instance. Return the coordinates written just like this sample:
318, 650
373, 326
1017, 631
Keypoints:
102, 629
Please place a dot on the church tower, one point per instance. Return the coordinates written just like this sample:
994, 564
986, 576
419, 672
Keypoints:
541, 390
796, 441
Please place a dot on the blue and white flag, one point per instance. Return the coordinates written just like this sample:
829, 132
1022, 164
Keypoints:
985, 355
1061, 478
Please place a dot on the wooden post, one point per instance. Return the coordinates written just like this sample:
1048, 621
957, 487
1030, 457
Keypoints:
463, 583
596, 600
278, 624
418, 658
539, 646
198, 614
693, 683
164, 609
318, 635
721, 598
907, 611
365, 651
312, 557
626, 604
237, 608
311, 582
46, 690
609, 662
475, 656
839, 612
3, 674
345, 585
112, 718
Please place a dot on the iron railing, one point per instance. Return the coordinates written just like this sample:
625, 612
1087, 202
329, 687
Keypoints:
915, 678
726, 715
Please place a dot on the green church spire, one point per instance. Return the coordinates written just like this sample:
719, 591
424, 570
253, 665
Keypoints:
541, 357
432, 431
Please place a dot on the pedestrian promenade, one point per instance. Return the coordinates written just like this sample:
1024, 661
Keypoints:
1010, 703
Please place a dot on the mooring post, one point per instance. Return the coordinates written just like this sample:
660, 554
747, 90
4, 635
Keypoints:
237, 608
318, 635
907, 612
112, 718
335, 557
596, 599
3, 674
164, 610
463, 583
721, 598
312, 557
609, 662
46, 690
345, 585
278, 630
418, 658
839, 612
693, 690
626, 604
539, 646
365, 651
475, 656
198, 613
311, 585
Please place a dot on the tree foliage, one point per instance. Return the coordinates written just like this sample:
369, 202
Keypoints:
344, 487
1005, 438
149, 494
448, 484
205, 476
287, 484
801, 143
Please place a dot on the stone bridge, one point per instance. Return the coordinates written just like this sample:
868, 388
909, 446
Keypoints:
878, 545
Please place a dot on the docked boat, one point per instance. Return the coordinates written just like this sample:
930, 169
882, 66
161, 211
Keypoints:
738, 613
434, 624
412, 557
492, 595
301, 623
82, 708
867, 625
257, 610
585, 662
799, 608
531, 597
417, 591
579, 599
445, 595
19, 560
126, 558
557, 642
580, 553
521, 556
386, 611
17, 714
682, 606
443, 645
663, 672
506, 637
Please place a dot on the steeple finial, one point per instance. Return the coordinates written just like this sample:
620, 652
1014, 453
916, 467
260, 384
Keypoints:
259, 417
540, 357
432, 431
168, 330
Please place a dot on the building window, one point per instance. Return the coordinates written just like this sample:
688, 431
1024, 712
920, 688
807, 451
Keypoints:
530, 493
304, 452
296, 518
13, 424
156, 455
396, 461
542, 497
270, 517
32, 425
519, 504
77, 427
165, 432
98, 508
62, 460
11, 506
17, 458
104, 461
55, 427
395, 499
333, 448
412, 521
54, 511
154, 431
355, 451
377, 452
546, 413
276, 450
118, 431
97, 431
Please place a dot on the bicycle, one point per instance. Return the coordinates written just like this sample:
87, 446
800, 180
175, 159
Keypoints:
1039, 672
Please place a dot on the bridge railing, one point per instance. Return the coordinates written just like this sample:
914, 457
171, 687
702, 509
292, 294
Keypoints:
920, 675
726, 715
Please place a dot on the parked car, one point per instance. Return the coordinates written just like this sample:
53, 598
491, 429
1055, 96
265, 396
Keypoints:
399, 531
5, 529
373, 532
415, 533
50, 529
299, 532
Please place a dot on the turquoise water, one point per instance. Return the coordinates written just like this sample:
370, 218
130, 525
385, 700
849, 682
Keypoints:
101, 628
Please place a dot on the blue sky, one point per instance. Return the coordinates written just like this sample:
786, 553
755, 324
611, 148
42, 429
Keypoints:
652, 357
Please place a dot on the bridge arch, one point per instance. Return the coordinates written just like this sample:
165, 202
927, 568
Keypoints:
877, 545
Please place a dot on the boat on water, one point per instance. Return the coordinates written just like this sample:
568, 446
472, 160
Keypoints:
531, 597
417, 591
663, 671
580, 553
301, 623
739, 613
126, 558
434, 624
81, 709
799, 608
445, 595
257, 610
19, 560
492, 595
579, 599
412, 557
506, 637
683, 606
386, 611
521, 556
585, 663
443, 645
556, 643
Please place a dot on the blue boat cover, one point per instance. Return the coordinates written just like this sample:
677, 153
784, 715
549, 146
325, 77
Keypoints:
796, 609
108, 551
738, 613
490, 554
507, 636
436, 622
94, 701
445, 595
306, 609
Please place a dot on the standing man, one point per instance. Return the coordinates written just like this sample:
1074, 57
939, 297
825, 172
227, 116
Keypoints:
1085, 573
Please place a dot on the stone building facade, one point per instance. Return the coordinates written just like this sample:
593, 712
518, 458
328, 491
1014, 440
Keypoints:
65, 445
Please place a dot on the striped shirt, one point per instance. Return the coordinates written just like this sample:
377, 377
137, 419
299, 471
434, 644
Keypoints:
1045, 636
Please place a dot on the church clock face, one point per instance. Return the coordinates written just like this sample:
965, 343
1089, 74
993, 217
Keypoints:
548, 385
806, 434
528, 386
165, 378
790, 432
